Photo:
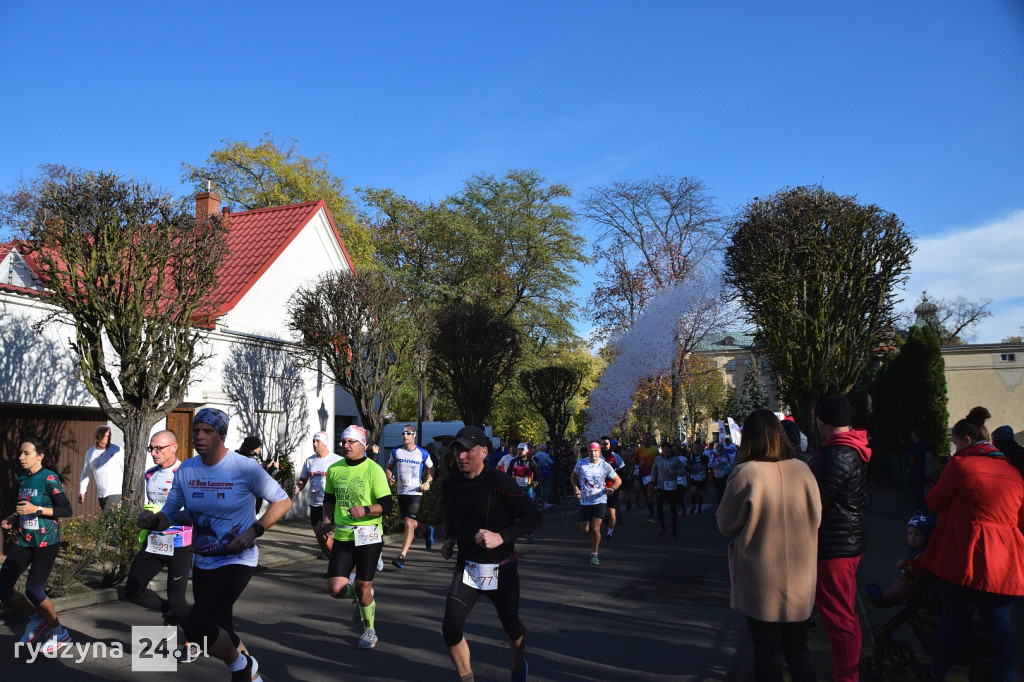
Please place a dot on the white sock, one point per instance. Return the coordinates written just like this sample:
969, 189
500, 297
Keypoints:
238, 664
611, 531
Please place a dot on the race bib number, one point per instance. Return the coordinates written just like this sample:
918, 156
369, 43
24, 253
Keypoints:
481, 576
680, 480
646, 480
522, 481
158, 543
367, 535
410, 481
636, 470
670, 485
29, 522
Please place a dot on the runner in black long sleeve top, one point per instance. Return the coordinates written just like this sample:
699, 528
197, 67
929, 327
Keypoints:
490, 501
486, 512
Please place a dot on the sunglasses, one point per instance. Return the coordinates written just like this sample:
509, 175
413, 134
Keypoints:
408, 433
159, 448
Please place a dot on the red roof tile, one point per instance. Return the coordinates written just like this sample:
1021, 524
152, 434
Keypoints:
255, 239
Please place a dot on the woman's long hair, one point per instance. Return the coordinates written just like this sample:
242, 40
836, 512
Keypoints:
973, 426
763, 439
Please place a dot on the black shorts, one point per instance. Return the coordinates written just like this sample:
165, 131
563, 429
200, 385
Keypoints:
592, 511
345, 555
462, 598
316, 515
409, 505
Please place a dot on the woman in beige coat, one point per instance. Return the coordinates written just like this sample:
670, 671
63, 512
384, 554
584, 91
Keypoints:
771, 509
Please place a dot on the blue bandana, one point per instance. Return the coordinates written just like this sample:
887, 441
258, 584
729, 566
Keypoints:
215, 418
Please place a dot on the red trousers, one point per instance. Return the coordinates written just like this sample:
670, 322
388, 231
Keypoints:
835, 598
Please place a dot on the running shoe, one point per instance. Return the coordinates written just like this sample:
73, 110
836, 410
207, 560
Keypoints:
35, 629
248, 673
529, 539
430, 537
398, 562
186, 654
380, 564
607, 537
169, 617
523, 675
651, 521
594, 561
368, 640
55, 642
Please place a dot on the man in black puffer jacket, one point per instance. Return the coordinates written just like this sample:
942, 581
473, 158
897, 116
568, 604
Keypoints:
841, 468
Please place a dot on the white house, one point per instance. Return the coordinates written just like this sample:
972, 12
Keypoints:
250, 375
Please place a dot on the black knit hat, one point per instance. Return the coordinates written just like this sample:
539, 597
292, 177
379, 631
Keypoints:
251, 443
835, 410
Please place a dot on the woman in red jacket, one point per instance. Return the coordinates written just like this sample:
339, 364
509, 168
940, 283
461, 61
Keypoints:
977, 549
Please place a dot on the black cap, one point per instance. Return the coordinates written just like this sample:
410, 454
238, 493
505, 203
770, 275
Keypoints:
471, 436
835, 410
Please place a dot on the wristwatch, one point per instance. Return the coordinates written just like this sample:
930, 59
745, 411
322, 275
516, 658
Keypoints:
260, 530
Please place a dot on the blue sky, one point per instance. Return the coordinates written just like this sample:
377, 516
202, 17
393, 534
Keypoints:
913, 105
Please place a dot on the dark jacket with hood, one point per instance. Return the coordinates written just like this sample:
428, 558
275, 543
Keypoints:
841, 468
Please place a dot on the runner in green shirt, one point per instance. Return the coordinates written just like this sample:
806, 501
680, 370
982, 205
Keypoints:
356, 496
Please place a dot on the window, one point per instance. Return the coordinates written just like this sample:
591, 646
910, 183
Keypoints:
730, 366
1008, 357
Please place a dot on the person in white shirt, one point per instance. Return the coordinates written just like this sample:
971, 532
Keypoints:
588, 482
172, 549
412, 469
104, 464
505, 463
218, 489
313, 471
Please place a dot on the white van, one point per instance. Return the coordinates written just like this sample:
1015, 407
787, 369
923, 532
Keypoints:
441, 433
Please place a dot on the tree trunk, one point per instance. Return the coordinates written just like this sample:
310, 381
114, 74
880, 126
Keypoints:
428, 404
136, 428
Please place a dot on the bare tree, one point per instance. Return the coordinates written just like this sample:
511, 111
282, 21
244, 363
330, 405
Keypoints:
954, 321
652, 233
132, 271
366, 331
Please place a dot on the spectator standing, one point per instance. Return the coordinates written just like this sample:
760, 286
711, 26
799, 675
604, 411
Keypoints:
771, 509
977, 549
841, 469
104, 465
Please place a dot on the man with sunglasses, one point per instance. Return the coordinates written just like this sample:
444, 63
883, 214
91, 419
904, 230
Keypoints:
356, 497
486, 512
171, 549
411, 467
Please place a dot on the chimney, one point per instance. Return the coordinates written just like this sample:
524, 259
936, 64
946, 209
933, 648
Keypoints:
207, 204
225, 216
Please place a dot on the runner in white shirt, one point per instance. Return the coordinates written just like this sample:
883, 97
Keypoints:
103, 464
412, 469
219, 489
171, 549
313, 471
588, 482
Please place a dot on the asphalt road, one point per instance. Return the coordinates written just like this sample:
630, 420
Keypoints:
653, 610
